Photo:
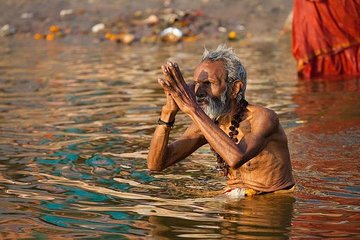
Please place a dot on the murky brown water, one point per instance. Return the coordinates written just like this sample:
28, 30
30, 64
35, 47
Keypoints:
76, 119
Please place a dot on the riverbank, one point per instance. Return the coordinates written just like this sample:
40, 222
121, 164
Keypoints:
153, 21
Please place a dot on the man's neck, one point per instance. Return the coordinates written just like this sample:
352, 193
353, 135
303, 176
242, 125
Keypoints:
234, 108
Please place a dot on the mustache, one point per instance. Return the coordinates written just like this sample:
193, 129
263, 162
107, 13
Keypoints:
214, 107
202, 99
213, 100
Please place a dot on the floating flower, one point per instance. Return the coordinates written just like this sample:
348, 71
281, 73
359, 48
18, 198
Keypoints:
38, 36
54, 29
232, 35
50, 37
108, 35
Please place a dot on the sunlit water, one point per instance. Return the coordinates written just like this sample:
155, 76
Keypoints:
76, 119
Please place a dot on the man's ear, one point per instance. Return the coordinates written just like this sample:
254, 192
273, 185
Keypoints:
236, 88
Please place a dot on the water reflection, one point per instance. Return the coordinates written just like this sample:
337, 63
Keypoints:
76, 119
334, 104
237, 219
328, 170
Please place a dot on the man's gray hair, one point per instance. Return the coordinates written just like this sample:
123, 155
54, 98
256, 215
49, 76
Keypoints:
233, 67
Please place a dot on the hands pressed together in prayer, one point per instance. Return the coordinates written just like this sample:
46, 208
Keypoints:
257, 131
179, 95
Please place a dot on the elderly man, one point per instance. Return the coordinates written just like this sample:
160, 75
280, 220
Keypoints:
248, 140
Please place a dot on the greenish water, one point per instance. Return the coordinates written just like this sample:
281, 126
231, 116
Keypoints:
76, 119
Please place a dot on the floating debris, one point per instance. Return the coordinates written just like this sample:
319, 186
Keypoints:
190, 38
7, 30
150, 39
170, 18
54, 29
39, 36
66, 12
232, 35
171, 35
50, 37
98, 28
240, 27
126, 38
222, 29
108, 35
171, 25
27, 15
54, 32
151, 21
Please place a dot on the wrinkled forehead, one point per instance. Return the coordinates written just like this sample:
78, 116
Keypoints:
210, 70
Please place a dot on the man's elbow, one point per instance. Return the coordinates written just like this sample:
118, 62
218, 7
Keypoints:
155, 168
236, 162
233, 165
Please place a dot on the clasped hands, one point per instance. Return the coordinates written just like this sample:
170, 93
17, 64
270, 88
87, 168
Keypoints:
179, 95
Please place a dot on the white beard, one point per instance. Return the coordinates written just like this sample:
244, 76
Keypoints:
216, 107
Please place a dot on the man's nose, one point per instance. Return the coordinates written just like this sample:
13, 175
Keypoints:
199, 91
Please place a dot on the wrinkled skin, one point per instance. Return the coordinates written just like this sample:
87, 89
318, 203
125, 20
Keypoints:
261, 158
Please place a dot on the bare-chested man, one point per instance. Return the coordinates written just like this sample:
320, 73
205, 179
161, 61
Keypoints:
248, 140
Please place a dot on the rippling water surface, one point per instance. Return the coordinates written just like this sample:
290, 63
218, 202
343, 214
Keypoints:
76, 119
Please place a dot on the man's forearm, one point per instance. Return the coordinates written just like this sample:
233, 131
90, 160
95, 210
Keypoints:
217, 138
158, 147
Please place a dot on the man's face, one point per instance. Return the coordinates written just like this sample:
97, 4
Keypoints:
211, 89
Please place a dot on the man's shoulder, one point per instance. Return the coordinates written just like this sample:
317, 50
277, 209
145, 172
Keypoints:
264, 119
263, 113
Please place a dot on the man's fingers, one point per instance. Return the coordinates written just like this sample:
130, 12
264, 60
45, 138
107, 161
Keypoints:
163, 69
168, 67
164, 84
176, 73
171, 67
169, 79
177, 70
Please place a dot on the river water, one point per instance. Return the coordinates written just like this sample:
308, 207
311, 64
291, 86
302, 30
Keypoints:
76, 119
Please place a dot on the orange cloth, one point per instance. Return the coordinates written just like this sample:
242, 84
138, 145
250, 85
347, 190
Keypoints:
248, 192
326, 38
